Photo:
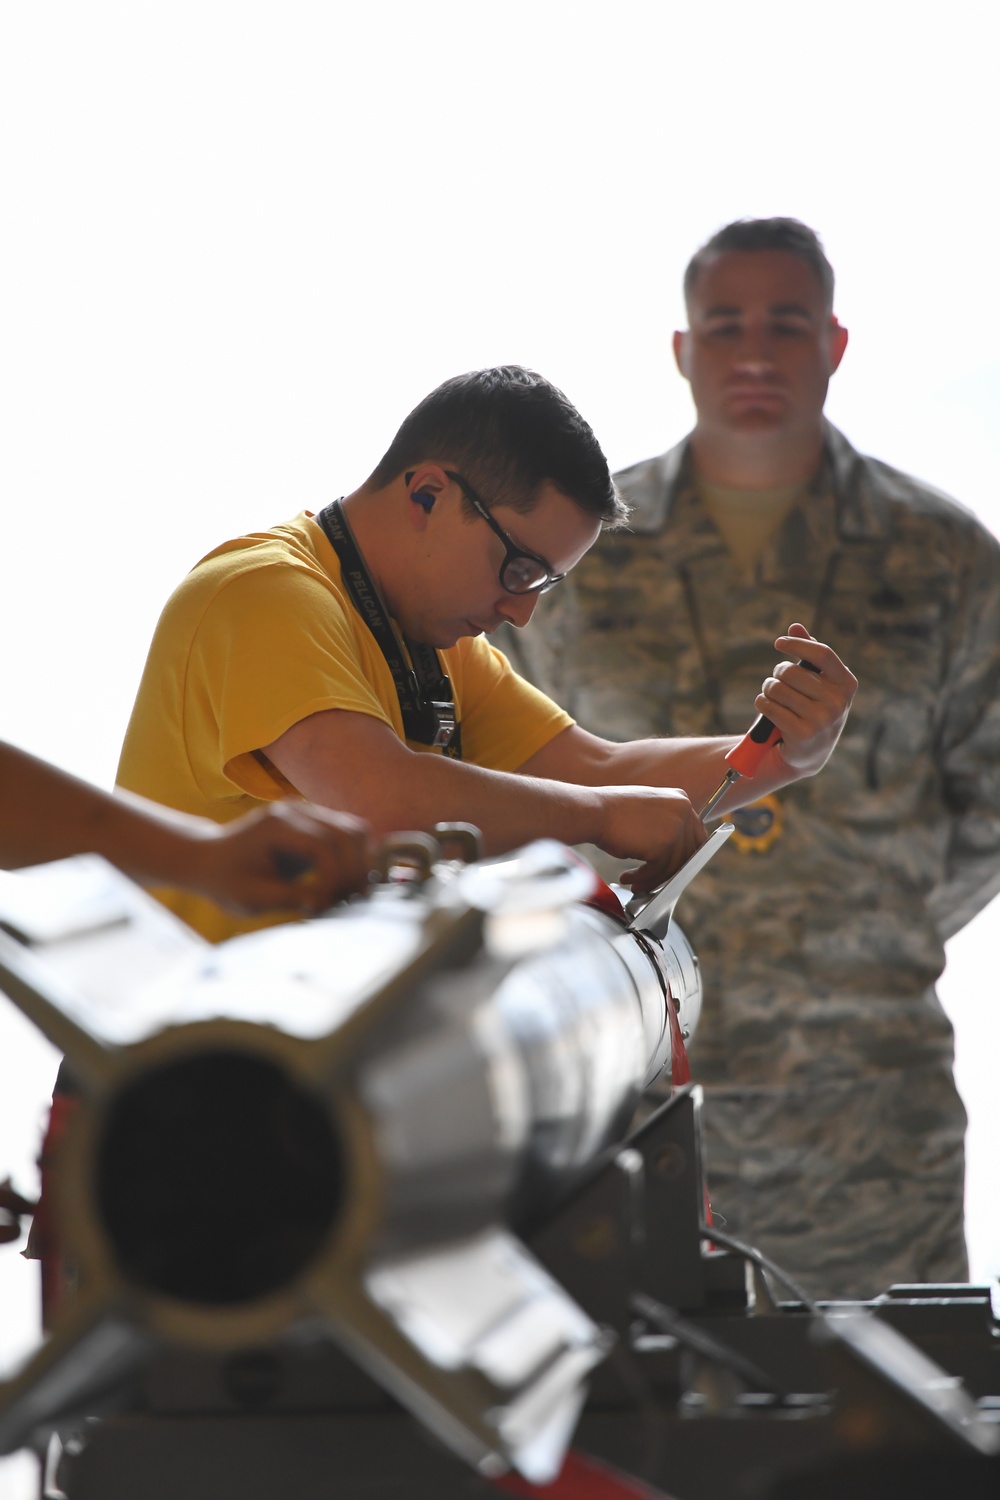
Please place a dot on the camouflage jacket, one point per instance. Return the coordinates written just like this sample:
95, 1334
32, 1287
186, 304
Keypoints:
820, 938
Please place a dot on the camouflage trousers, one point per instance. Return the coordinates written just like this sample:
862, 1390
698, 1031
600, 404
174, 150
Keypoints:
849, 1187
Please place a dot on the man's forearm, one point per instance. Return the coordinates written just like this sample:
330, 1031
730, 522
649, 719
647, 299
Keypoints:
375, 777
355, 762
46, 813
696, 765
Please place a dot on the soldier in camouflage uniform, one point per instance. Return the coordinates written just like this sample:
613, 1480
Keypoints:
834, 1129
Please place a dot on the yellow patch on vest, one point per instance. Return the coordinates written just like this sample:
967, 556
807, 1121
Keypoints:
758, 825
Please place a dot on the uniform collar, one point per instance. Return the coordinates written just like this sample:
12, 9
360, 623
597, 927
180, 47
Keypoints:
859, 489
656, 487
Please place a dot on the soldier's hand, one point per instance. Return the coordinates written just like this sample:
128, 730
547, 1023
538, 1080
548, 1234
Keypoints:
656, 825
291, 856
810, 708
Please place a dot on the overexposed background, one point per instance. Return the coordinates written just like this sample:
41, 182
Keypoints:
241, 240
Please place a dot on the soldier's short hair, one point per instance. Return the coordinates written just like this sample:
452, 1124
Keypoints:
509, 430
764, 234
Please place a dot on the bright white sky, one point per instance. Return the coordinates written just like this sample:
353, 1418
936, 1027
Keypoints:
242, 240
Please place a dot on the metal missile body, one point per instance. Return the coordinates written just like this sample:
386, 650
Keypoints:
346, 1126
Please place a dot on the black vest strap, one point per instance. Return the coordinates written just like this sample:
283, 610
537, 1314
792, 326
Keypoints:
423, 690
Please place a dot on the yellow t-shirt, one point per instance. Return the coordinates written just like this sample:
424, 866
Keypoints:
260, 635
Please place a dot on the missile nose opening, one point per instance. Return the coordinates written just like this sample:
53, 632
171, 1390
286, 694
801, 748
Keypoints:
218, 1178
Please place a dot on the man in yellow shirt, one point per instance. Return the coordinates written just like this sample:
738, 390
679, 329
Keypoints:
342, 656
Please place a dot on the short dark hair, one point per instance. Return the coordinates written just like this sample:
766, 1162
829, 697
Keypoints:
765, 234
509, 431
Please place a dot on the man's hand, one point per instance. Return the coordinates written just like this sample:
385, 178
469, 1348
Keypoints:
810, 708
655, 824
290, 856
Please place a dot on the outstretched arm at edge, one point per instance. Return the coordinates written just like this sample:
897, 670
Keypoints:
46, 813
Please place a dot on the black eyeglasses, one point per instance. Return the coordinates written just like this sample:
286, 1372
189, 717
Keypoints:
520, 572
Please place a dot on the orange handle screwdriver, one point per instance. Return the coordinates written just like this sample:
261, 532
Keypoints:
745, 758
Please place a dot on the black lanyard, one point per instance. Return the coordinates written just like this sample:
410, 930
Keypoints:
424, 691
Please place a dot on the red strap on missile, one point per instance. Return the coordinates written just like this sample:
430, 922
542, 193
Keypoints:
583, 1478
680, 1067
603, 899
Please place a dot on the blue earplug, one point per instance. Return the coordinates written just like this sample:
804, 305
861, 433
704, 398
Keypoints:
424, 499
